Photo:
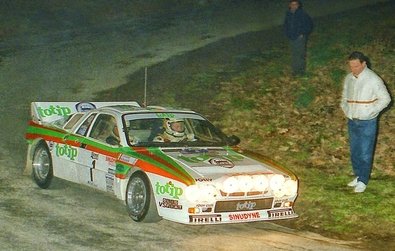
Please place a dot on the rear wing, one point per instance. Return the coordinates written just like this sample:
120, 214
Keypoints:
47, 112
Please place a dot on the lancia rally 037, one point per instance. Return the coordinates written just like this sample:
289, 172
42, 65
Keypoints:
163, 163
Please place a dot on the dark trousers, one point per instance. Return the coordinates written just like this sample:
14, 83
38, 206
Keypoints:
363, 135
298, 50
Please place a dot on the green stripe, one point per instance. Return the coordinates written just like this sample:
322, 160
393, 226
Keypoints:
151, 161
170, 160
44, 131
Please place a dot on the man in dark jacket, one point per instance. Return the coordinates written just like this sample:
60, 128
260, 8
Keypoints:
297, 25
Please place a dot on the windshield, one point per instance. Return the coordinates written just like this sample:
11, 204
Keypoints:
171, 129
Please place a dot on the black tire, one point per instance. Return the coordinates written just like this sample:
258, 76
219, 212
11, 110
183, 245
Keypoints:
140, 201
42, 166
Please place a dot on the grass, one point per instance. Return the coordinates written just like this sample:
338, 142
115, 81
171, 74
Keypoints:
331, 207
299, 123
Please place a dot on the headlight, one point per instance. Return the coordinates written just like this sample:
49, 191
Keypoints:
277, 182
260, 182
290, 187
192, 193
245, 183
230, 185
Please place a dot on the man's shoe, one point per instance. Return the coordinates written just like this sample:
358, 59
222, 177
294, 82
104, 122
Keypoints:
360, 187
353, 183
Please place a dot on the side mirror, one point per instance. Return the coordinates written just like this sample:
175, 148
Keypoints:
233, 140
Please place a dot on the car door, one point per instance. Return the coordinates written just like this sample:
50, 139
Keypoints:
98, 152
65, 154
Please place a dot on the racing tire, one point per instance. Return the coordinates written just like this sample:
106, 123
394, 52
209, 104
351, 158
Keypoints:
140, 201
42, 166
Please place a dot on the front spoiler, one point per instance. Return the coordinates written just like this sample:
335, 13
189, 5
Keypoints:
237, 217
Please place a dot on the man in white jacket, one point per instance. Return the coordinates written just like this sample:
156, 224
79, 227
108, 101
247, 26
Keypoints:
364, 97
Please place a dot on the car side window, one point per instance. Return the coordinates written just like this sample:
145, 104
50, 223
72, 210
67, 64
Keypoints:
105, 130
85, 126
141, 130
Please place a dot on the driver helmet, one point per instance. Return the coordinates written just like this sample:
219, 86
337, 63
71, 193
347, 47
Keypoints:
174, 127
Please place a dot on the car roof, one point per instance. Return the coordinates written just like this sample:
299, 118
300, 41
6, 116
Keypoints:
124, 109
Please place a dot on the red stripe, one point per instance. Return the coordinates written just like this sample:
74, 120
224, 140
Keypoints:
35, 124
101, 151
156, 170
150, 168
46, 137
162, 161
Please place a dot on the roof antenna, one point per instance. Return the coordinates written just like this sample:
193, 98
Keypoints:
145, 87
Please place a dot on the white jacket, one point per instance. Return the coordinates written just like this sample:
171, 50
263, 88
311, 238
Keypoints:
365, 96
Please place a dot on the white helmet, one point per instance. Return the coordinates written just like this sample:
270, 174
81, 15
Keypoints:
174, 127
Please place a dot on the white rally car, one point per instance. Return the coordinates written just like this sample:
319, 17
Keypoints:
163, 163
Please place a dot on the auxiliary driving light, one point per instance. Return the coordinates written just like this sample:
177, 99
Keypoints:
260, 182
230, 185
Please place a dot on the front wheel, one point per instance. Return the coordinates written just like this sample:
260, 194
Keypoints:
140, 201
42, 166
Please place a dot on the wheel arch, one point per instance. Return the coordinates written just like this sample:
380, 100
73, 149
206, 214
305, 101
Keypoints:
153, 214
30, 152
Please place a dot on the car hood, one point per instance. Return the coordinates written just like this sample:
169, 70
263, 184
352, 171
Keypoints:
217, 162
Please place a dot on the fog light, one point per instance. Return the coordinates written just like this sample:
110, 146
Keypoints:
193, 210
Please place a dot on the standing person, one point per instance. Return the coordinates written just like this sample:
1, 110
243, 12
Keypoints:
297, 25
364, 97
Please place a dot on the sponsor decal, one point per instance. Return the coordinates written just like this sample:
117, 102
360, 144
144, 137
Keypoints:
54, 110
280, 213
247, 205
165, 115
84, 106
110, 180
110, 160
210, 218
281, 200
168, 203
189, 150
50, 145
221, 162
205, 208
245, 216
243, 205
206, 158
94, 155
204, 179
124, 158
127, 159
169, 189
204, 205
66, 151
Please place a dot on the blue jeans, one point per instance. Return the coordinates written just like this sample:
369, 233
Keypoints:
363, 134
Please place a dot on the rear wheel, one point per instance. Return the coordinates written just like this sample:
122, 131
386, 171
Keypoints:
140, 201
42, 166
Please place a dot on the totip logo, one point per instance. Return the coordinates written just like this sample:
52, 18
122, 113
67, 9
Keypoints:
221, 162
84, 106
53, 110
